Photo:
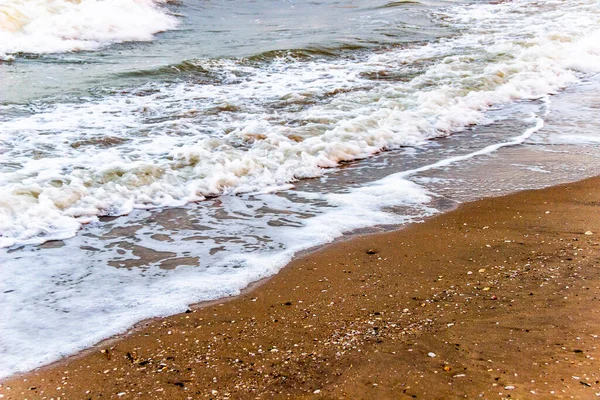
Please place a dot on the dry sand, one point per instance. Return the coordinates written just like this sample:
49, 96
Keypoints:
497, 299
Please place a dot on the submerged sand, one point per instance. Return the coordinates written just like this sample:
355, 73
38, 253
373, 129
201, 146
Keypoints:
497, 299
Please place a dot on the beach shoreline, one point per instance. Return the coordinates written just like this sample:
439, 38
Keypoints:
491, 298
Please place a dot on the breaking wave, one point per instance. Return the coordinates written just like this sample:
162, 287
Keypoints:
54, 26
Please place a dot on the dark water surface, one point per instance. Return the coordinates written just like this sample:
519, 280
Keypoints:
254, 30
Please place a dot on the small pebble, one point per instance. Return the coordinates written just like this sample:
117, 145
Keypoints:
589, 233
431, 355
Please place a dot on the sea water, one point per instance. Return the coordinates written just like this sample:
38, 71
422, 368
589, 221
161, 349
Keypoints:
156, 154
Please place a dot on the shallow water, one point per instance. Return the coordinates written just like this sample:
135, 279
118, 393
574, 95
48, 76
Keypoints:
158, 169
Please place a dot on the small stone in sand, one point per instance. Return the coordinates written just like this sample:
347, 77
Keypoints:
430, 354
589, 233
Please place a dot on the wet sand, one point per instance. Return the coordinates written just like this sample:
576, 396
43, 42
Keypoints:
499, 299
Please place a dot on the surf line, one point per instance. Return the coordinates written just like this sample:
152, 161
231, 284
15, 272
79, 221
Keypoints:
515, 141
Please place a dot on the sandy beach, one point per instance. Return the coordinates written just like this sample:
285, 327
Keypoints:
497, 299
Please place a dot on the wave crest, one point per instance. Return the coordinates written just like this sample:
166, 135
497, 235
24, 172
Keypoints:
55, 26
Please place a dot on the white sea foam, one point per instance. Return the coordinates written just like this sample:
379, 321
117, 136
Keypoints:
52, 26
256, 128
175, 145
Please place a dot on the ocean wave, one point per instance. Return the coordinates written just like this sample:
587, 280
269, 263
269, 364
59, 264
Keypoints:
55, 26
